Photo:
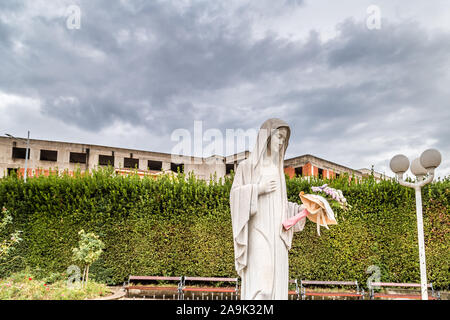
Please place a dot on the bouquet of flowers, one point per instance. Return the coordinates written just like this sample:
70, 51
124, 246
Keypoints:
336, 197
318, 208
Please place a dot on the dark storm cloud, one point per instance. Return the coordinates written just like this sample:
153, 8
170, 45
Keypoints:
159, 65
183, 55
398, 67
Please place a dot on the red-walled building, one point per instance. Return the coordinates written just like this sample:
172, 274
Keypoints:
309, 165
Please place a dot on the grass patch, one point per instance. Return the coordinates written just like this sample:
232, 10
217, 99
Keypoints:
25, 286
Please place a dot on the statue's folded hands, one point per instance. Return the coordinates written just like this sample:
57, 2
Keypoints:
267, 186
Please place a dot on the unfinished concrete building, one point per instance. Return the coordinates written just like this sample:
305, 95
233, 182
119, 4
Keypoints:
47, 156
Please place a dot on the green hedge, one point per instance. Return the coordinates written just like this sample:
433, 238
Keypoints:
170, 226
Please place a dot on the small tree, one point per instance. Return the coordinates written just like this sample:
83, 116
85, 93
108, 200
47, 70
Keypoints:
89, 250
7, 245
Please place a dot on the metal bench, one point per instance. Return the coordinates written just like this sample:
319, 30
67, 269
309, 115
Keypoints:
296, 291
141, 279
373, 295
356, 294
233, 290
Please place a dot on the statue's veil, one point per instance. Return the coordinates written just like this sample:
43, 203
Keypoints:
262, 140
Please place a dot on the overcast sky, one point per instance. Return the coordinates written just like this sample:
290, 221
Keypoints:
137, 70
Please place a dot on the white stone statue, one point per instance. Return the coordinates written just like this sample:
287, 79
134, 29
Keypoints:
259, 206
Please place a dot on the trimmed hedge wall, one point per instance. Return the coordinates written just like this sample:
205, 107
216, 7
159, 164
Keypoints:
178, 227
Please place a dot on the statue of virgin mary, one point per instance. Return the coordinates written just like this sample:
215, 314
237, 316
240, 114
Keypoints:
259, 206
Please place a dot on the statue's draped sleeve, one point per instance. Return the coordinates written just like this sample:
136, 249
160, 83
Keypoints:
293, 209
243, 204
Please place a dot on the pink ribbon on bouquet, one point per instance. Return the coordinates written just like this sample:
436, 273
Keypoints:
289, 223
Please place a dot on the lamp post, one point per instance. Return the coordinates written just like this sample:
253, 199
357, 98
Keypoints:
26, 153
420, 167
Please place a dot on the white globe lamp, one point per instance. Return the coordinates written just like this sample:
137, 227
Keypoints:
399, 164
417, 169
430, 159
420, 167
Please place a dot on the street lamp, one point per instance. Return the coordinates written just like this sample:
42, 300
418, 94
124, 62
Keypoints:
420, 167
26, 153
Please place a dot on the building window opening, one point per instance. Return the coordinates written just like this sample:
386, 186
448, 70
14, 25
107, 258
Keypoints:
12, 172
131, 163
105, 160
299, 172
175, 167
20, 153
320, 173
49, 155
76, 157
229, 168
154, 165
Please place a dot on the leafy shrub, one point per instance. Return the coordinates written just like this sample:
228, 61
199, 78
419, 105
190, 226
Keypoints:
7, 244
89, 250
182, 226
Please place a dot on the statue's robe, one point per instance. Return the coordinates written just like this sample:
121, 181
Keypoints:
261, 244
